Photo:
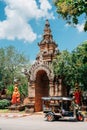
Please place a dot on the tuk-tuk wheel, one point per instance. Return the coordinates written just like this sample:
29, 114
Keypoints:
50, 117
80, 117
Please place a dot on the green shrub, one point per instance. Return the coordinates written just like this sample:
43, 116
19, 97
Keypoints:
23, 89
10, 90
4, 103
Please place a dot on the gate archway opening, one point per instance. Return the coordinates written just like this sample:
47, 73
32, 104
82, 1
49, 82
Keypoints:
41, 88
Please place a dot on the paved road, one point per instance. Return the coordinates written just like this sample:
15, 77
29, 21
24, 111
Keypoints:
37, 122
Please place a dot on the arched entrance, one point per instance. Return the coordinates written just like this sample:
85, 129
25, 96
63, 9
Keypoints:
41, 83
41, 75
41, 88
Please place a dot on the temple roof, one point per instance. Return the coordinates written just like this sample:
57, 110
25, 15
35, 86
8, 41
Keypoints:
47, 36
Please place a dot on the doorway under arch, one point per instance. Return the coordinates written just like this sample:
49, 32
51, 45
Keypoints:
41, 88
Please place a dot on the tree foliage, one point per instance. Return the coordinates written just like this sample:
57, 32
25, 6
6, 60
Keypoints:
63, 67
71, 10
11, 63
72, 67
79, 59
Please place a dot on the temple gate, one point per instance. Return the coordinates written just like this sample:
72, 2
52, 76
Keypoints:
41, 77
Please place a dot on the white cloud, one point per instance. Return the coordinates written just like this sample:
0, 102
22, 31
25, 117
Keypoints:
80, 27
18, 14
45, 5
67, 25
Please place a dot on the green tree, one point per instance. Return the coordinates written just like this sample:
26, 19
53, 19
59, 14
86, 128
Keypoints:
71, 10
72, 67
79, 59
63, 67
11, 63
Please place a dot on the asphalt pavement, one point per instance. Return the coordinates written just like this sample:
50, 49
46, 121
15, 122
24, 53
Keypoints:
36, 121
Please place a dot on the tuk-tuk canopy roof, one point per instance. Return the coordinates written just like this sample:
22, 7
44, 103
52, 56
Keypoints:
57, 98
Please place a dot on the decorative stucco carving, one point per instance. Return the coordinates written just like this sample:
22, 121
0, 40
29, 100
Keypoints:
41, 66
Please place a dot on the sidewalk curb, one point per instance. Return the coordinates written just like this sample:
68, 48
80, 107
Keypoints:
14, 115
18, 115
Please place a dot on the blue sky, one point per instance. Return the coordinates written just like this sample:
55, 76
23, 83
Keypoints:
22, 24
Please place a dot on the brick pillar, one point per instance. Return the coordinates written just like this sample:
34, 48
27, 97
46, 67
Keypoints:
31, 92
60, 91
56, 89
51, 88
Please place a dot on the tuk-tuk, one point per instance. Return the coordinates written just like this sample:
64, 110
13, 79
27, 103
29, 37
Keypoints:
56, 108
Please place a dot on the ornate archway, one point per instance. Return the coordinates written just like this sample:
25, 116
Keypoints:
41, 79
